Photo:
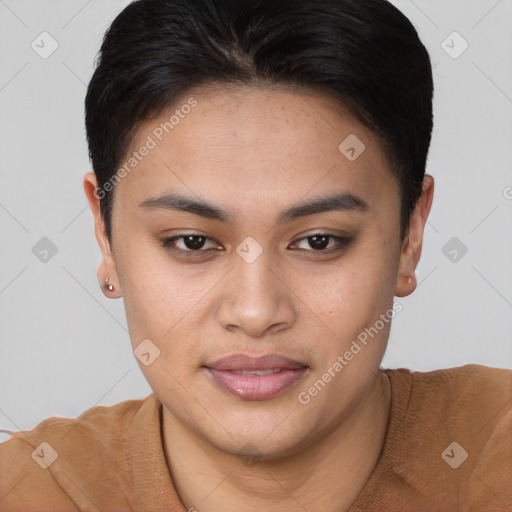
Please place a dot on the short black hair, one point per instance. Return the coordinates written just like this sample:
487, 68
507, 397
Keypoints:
365, 53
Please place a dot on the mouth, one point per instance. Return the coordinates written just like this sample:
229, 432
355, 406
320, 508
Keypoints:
256, 378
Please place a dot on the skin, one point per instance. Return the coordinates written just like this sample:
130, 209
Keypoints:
256, 152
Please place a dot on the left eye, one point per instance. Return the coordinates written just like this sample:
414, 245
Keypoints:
194, 243
320, 241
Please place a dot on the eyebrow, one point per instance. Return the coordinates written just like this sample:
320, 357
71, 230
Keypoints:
344, 201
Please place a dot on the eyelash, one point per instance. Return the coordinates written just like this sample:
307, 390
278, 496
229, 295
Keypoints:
168, 244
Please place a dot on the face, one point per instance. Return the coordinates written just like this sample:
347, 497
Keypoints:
254, 286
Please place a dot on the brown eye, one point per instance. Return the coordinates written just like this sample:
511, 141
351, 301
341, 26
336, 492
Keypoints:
318, 242
190, 244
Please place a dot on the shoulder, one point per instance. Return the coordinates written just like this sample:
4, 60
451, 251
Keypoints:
469, 374
38, 467
470, 390
474, 400
454, 430
455, 394
476, 407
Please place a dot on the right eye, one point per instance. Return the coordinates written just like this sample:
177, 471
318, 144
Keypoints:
191, 244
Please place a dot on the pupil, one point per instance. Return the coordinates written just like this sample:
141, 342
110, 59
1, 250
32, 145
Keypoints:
189, 242
319, 241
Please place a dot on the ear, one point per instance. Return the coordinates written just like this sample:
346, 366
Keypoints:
412, 244
107, 271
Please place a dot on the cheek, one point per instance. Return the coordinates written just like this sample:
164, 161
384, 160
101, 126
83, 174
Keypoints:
150, 293
161, 312
349, 299
351, 292
163, 301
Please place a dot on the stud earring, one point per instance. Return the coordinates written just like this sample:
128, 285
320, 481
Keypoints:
109, 287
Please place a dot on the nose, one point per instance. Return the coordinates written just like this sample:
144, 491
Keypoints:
258, 298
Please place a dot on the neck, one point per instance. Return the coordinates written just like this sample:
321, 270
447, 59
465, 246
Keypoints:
327, 475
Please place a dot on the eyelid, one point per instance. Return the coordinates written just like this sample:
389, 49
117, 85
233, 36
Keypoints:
342, 241
168, 241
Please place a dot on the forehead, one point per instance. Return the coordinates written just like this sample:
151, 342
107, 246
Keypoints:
251, 146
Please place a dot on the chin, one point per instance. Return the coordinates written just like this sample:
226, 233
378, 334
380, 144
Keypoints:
261, 435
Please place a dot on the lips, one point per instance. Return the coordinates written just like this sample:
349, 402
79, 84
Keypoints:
243, 362
256, 378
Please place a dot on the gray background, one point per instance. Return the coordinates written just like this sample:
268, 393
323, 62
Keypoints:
65, 347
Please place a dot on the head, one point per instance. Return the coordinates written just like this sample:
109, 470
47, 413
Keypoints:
286, 142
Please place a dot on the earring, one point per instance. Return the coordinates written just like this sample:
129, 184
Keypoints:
109, 287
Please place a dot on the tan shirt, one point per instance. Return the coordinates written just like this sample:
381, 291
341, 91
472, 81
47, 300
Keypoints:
112, 458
